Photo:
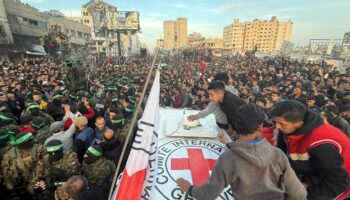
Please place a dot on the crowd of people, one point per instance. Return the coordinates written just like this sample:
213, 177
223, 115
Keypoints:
63, 125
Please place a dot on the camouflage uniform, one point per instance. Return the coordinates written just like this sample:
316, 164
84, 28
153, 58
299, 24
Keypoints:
42, 131
54, 174
75, 76
100, 172
97, 169
33, 106
48, 119
4, 136
8, 121
17, 165
42, 134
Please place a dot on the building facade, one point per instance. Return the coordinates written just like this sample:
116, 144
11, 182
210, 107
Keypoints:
175, 33
262, 35
6, 40
79, 35
29, 31
106, 42
216, 46
103, 42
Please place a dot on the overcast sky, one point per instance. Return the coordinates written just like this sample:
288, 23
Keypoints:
321, 19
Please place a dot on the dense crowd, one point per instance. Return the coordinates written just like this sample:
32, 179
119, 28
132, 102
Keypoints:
63, 125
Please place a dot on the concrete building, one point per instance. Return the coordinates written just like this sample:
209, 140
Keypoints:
216, 46
6, 40
30, 32
103, 42
175, 33
78, 33
265, 36
26, 24
106, 42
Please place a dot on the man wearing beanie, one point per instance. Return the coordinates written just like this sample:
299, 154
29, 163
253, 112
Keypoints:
56, 167
97, 169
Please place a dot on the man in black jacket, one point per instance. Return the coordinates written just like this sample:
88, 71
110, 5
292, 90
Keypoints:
228, 102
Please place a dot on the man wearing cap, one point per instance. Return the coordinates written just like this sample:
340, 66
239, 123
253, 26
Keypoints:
18, 162
42, 131
97, 169
56, 167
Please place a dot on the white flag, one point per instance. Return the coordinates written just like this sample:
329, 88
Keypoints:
143, 149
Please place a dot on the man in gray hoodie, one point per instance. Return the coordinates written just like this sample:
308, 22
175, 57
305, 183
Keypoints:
252, 167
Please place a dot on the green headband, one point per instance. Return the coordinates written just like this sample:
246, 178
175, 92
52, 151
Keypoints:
5, 118
4, 136
94, 152
22, 139
132, 100
11, 135
38, 126
129, 109
33, 106
117, 121
28, 93
57, 96
115, 100
54, 148
73, 97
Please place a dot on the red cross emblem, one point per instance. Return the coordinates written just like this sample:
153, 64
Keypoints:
196, 163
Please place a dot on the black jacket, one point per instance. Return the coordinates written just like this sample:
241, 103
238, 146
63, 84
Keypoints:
229, 106
112, 149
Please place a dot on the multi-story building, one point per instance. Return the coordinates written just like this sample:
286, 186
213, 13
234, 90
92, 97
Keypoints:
6, 40
106, 41
27, 24
262, 35
216, 46
175, 33
28, 30
79, 34
103, 42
